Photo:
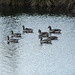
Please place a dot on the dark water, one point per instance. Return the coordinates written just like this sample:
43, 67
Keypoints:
28, 57
6, 11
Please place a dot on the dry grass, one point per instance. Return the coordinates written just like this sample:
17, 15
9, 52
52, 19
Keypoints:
44, 3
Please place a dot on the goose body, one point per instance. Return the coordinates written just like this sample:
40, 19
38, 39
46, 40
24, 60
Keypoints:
53, 30
12, 40
42, 34
53, 37
15, 34
27, 30
47, 41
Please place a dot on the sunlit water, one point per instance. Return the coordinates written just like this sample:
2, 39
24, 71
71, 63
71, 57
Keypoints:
29, 57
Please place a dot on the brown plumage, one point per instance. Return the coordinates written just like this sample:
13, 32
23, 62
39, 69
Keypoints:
12, 40
15, 34
53, 30
27, 30
42, 34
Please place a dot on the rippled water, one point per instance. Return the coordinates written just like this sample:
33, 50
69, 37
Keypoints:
28, 57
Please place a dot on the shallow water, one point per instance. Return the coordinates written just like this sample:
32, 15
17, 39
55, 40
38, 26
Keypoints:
29, 57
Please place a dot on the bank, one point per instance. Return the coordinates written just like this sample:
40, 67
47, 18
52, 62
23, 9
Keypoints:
68, 5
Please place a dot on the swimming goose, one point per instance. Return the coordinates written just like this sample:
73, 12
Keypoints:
12, 40
52, 37
15, 34
27, 30
53, 30
47, 41
42, 34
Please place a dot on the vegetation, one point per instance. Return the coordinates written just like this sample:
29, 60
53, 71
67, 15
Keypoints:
69, 4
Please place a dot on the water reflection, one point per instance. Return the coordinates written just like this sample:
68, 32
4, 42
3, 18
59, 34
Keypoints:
9, 59
17, 10
8, 52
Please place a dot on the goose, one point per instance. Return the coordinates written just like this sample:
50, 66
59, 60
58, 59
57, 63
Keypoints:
27, 30
12, 40
52, 37
47, 41
53, 30
42, 34
15, 34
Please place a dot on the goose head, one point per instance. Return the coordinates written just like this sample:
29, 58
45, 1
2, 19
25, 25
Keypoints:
11, 31
23, 27
49, 27
39, 31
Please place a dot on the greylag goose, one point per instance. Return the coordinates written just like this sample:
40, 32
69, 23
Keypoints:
47, 41
27, 30
42, 34
52, 37
12, 40
15, 34
53, 30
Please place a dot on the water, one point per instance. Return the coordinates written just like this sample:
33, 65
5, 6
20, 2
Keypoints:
28, 57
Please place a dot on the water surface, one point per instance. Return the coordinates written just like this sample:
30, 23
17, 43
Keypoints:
28, 57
